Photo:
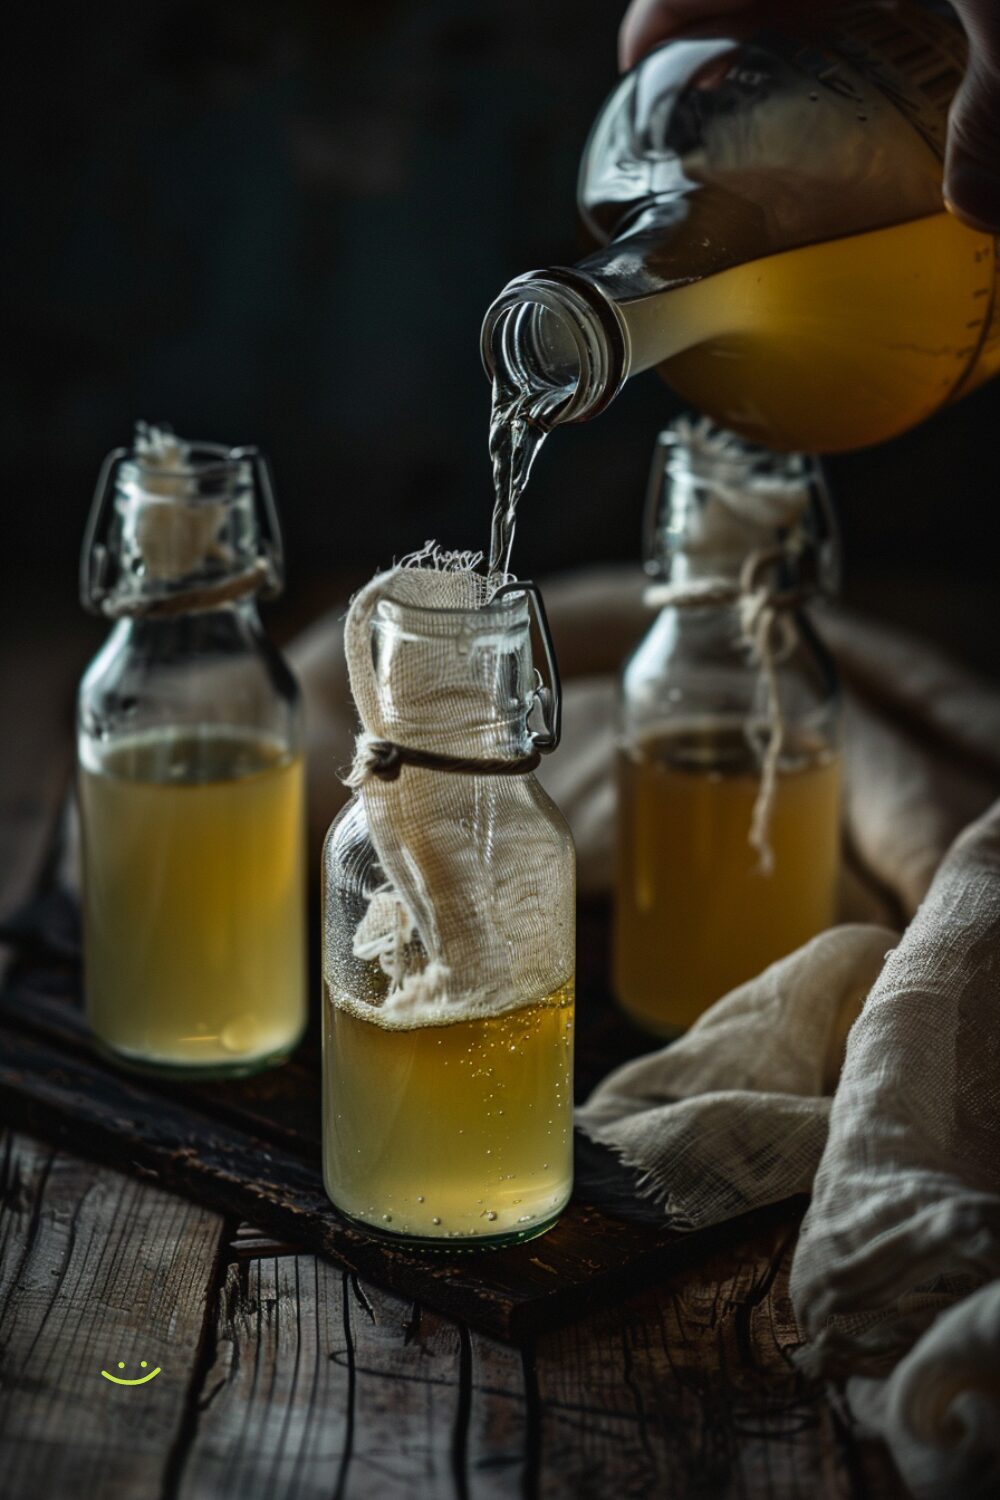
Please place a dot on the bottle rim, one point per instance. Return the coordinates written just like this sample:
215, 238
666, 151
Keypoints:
591, 326
235, 482
205, 461
511, 608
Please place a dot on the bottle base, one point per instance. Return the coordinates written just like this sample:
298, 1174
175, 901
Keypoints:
189, 1072
457, 1243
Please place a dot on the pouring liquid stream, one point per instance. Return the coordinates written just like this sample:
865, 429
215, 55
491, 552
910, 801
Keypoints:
519, 422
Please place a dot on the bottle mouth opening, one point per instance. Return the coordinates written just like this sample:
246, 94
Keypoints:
209, 471
713, 498
556, 338
509, 612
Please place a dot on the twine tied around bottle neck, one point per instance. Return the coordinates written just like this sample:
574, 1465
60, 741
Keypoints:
197, 597
768, 626
386, 759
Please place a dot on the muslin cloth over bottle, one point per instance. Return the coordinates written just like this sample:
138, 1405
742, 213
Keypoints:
448, 922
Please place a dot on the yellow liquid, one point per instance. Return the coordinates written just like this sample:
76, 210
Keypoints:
694, 914
833, 345
194, 900
461, 1132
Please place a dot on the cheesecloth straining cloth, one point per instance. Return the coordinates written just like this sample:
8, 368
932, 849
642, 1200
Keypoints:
465, 856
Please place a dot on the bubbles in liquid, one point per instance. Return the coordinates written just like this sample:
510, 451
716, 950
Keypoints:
386, 1092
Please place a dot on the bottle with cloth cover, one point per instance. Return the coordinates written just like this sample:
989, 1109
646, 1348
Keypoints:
190, 770
448, 921
729, 753
766, 205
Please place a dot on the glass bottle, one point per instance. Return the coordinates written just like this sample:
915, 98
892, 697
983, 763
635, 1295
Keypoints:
715, 880
449, 1121
191, 783
768, 207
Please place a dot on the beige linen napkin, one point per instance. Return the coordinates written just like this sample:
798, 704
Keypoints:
939, 1409
905, 1216
734, 1114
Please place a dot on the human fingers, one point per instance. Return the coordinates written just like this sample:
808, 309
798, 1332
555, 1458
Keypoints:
647, 22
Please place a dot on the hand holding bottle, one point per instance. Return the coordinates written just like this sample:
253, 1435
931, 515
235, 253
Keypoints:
972, 163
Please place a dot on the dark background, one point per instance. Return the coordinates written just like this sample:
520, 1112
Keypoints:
281, 224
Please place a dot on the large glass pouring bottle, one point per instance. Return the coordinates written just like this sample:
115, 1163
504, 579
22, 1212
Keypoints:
774, 241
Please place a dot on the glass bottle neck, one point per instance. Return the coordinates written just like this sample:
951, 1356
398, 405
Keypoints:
569, 339
557, 337
178, 527
233, 624
716, 503
454, 682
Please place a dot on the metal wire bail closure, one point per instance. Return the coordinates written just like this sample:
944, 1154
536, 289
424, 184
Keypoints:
95, 556
548, 695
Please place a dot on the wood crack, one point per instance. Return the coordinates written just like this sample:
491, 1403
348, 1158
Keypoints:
463, 1407
348, 1443
195, 1401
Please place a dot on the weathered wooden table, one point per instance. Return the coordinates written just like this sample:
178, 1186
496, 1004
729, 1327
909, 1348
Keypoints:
282, 1375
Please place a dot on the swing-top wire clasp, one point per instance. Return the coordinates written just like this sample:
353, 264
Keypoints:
548, 694
213, 466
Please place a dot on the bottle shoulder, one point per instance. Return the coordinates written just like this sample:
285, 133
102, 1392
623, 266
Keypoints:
505, 808
698, 664
216, 667
348, 844
748, 140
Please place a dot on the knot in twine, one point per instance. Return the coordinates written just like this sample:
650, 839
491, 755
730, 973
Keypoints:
767, 624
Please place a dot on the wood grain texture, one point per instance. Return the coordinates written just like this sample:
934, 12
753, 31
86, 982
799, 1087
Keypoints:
690, 1389
323, 1386
94, 1268
284, 1375
349, 1392
271, 1416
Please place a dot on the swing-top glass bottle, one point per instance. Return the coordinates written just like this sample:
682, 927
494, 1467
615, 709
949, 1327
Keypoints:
451, 1127
190, 768
716, 876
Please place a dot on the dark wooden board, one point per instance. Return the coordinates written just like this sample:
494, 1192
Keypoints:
252, 1148
94, 1268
